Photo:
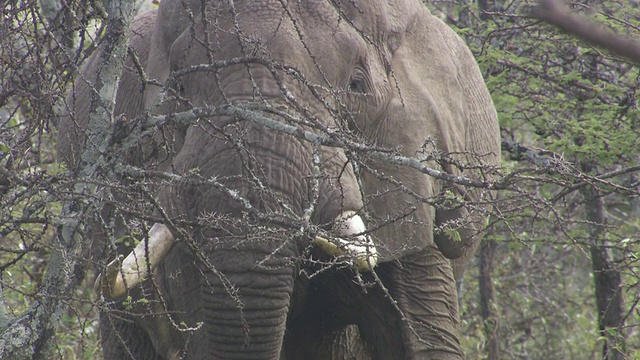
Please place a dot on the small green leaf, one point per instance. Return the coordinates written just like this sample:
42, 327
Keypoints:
454, 234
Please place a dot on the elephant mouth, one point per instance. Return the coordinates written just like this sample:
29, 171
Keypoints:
124, 273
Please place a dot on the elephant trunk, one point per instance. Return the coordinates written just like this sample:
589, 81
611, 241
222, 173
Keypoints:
245, 304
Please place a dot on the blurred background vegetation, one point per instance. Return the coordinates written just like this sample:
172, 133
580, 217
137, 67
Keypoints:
561, 261
557, 275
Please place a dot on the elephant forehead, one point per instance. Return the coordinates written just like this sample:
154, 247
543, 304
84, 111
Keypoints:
383, 22
323, 40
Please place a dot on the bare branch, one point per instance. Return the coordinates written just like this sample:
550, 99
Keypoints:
559, 15
30, 335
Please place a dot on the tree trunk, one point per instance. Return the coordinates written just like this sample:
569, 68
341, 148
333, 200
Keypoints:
31, 334
487, 298
607, 279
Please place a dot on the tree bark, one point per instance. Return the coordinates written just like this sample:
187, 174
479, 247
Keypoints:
31, 334
487, 298
607, 280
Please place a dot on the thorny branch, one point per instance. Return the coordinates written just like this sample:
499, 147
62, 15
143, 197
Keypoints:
31, 334
548, 168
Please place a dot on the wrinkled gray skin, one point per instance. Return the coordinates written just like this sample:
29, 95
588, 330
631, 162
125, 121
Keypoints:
404, 77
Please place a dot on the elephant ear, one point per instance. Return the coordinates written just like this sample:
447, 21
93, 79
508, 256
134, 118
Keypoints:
173, 19
465, 128
74, 118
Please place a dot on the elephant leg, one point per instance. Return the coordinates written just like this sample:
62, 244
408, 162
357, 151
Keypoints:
140, 328
423, 287
420, 323
123, 338
348, 344
317, 341
321, 323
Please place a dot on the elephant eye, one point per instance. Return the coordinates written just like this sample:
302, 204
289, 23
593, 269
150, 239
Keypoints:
357, 85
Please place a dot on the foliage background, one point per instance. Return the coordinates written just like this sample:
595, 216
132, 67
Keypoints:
570, 122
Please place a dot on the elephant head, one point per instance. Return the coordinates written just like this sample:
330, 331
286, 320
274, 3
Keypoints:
312, 116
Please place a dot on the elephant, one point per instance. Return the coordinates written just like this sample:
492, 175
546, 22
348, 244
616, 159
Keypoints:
316, 108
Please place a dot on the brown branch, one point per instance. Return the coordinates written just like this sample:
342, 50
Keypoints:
559, 15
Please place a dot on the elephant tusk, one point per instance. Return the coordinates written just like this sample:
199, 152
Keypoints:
128, 273
362, 249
